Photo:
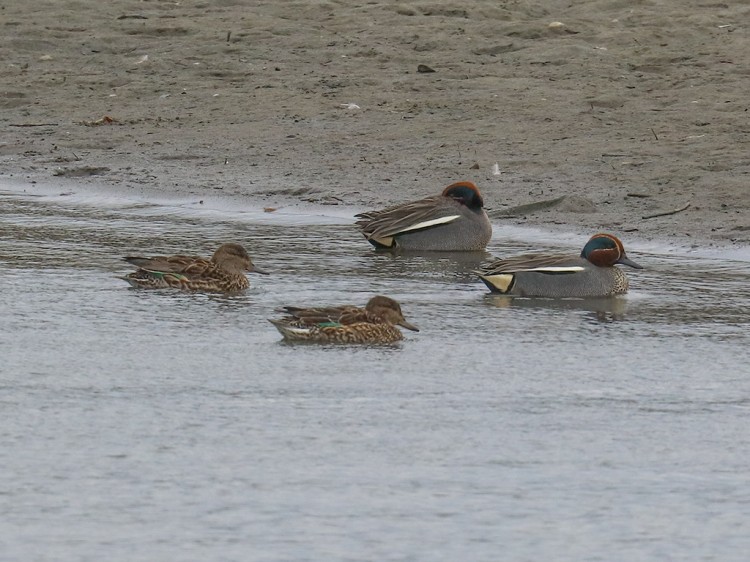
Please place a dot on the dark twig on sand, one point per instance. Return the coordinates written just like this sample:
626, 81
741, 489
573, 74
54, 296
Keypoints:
638, 195
34, 124
666, 213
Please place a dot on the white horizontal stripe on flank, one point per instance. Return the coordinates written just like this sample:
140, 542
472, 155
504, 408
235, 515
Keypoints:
554, 269
433, 222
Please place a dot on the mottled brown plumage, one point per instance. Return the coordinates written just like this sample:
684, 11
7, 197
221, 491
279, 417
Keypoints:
223, 273
376, 323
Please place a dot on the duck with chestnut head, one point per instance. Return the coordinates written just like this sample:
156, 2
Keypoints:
591, 274
453, 221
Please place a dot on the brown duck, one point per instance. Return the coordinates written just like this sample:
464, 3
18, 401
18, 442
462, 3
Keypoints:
223, 273
375, 323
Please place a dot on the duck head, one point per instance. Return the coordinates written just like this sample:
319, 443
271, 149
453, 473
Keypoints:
605, 250
390, 311
465, 193
233, 257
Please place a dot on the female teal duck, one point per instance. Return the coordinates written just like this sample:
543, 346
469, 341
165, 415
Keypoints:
376, 323
453, 221
592, 274
223, 273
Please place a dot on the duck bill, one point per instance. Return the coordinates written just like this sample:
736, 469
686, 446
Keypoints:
625, 260
254, 269
408, 326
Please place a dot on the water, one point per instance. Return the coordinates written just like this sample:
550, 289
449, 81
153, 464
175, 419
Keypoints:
142, 425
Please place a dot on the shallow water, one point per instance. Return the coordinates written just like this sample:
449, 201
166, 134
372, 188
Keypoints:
144, 425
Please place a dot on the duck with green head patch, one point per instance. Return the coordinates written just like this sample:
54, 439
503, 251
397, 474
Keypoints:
223, 273
376, 323
453, 221
591, 274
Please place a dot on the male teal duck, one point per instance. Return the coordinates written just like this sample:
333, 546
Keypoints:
453, 221
376, 323
592, 274
223, 273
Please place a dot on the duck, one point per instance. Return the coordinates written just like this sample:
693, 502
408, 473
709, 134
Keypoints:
591, 274
348, 324
452, 221
224, 272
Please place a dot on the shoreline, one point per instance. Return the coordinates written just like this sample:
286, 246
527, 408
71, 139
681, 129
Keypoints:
297, 215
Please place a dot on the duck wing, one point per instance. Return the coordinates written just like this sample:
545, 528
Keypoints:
320, 315
185, 265
416, 215
542, 263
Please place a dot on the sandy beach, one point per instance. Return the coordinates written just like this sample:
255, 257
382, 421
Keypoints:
596, 116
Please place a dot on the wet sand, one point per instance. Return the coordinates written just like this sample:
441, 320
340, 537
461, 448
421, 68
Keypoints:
598, 115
